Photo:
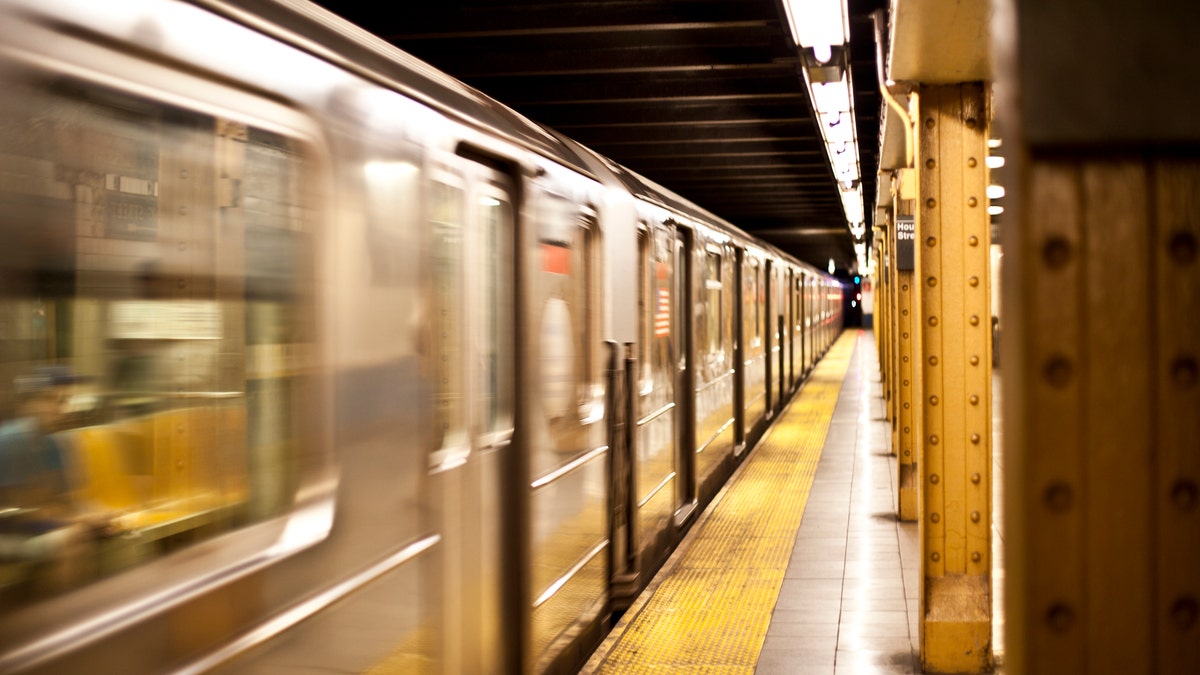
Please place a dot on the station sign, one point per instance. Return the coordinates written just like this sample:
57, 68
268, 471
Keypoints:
906, 236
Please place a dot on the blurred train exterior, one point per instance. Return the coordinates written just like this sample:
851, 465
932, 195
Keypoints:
315, 358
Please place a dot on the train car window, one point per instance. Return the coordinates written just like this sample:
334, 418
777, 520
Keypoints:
567, 366
157, 326
446, 221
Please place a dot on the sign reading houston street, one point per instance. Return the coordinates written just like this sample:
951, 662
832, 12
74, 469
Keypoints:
906, 234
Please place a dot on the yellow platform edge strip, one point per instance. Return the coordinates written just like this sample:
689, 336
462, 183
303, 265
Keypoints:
709, 612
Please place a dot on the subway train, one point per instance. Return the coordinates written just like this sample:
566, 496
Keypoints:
315, 359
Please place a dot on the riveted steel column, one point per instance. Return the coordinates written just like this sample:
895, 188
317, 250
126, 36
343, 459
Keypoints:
1102, 347
1107, 490
908, 340
953, 237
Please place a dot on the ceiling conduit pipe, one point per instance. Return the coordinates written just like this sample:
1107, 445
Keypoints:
878, 17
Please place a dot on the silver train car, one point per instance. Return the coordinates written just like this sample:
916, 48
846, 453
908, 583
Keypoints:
315, 359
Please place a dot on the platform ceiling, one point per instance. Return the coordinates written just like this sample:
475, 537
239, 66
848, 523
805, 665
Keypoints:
703, 96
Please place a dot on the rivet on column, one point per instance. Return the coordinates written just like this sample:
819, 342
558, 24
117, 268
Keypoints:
1058, 497
1058, 371
973, 399
933, 478
1056, 252
1184, 494
1183, 248
1060, 616
974, 360
933, 400
973, 240
974, 320
975, 516
935, 556
975, 439
1184, 611
933, 321
933, 360
933, 440
1184, 372
975, 478
975, 557
931, 202
971, 201
974, 281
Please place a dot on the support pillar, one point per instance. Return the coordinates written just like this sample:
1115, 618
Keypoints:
953, 235
1101, 338
907, 341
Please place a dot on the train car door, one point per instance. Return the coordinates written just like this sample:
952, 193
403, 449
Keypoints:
566, 442
685, 388
771, 338
473, 231
739, 351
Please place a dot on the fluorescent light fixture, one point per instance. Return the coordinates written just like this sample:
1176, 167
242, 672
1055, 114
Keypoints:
852, 204
831, 97
994, 143
838, 127
995, 191
819, 24
995, 161
995, 210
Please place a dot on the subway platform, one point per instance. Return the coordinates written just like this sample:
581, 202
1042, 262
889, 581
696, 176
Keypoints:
800, 566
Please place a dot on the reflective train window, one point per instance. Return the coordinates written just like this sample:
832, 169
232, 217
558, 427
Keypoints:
568, 377
447, 243
156, 322
494, 310
715, 311
657, 358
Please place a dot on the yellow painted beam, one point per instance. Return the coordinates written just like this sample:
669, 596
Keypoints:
953, 238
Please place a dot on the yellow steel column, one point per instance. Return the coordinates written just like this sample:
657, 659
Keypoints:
907, 348
953, 236
1106, 494
889, 351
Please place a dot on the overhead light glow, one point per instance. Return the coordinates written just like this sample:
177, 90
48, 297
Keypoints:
831, 97
995, 210
819, 24
995, 191
995, 161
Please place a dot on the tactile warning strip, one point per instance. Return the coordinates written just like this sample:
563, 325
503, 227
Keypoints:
711, 612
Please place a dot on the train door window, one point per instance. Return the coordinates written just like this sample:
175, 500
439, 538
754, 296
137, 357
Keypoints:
715, 309
446, 197
494, 310
158, 326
